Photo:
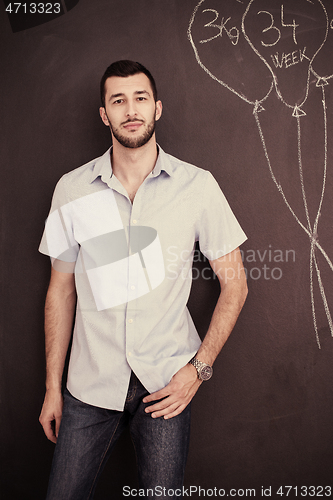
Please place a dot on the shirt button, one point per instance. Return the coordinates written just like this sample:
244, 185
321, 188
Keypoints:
132, 287
134, 221
130, 354
130, 321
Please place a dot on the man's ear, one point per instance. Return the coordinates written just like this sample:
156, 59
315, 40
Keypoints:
158, 110
104, 117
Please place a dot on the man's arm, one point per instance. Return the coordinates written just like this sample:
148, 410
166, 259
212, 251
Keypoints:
185, 383
59, 314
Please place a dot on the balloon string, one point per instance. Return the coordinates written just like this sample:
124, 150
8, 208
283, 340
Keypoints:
279, 187
322, 292
312, 248
311, 233
315, 227
325, 161
314, 317
300, 168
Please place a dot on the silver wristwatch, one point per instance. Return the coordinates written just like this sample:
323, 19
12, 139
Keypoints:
204, 371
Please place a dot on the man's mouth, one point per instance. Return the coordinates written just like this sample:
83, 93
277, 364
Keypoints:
132, 125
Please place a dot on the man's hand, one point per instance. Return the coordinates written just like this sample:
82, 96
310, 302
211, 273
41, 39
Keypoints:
177, 394
50, 416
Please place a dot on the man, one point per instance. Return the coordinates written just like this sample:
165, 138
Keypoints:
128, 221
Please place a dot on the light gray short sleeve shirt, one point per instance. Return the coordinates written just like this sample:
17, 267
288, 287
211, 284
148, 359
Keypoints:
133, 270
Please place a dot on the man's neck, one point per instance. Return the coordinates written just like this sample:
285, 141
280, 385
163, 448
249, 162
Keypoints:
132, 165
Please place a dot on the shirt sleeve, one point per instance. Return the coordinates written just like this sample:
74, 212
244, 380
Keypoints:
219, 232
58, 238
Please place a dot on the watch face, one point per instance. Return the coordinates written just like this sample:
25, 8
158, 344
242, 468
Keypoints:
206, 372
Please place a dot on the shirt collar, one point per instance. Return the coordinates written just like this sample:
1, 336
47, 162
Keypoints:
162, 163
103, 167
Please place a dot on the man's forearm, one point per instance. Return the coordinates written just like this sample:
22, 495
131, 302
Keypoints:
226, 312
59, 314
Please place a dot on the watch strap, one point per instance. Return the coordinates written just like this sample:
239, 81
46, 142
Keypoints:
202, 367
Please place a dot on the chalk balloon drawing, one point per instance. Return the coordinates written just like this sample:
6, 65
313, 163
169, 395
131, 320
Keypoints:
229, 39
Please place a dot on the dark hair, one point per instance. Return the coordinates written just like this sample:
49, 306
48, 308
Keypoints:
126, 68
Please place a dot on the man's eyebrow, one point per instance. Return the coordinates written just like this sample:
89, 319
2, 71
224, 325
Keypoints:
139, 92
121, 94
113, 96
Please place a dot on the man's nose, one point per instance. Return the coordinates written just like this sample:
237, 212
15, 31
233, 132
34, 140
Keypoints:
131, 109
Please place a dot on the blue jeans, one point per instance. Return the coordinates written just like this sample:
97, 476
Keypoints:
87, 435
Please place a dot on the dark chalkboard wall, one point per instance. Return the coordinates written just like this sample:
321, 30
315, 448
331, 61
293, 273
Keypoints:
247, 94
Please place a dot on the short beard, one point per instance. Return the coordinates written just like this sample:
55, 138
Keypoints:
138, 142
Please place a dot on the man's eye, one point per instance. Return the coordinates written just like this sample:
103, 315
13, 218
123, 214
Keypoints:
141, 98
118, 101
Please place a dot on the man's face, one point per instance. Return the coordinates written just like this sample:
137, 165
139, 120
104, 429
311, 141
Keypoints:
130, 110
